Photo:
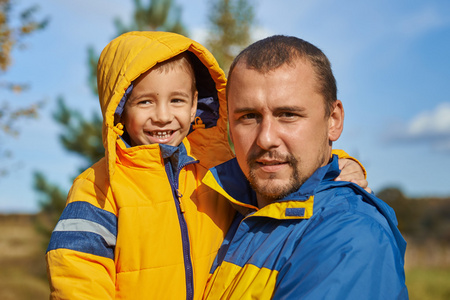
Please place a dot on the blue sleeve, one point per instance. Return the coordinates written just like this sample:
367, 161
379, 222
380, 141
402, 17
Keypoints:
345, 255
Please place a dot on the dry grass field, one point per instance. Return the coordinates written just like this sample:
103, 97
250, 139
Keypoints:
22, 264
427, 268
23, 275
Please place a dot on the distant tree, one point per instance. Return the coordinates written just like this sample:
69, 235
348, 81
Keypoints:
14, 29
162, 15
420, 219
230, 23
52, 201
405, 210
435, 219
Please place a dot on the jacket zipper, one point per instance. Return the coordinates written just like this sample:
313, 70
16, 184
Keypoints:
183, 227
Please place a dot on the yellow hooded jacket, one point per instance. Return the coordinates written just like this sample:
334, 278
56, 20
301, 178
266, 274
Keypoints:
132, 229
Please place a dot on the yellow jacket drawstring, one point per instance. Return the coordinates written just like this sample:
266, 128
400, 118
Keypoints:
198, 123
118, 128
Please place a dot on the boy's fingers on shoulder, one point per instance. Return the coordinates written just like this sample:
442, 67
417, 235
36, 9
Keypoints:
351, 176
343, 162
350, 168
362, 183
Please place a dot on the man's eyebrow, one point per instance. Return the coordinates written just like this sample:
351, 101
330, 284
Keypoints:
293, 108
243, 110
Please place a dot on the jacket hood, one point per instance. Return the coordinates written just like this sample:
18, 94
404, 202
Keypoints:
128, 56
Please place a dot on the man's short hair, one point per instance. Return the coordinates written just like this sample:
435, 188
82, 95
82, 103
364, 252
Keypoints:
273, 52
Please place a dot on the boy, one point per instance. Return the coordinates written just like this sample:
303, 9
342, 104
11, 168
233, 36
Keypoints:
139, 224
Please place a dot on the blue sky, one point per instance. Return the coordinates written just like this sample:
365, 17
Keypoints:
390, 59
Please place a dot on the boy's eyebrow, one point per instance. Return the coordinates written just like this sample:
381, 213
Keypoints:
151, 94
180, 93
139, 96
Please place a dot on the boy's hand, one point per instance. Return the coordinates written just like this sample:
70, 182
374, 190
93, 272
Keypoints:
351, 171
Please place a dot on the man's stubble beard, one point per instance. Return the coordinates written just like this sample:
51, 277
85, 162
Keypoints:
274, 192
269, 190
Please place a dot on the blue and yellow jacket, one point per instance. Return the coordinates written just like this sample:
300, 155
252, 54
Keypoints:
139, 224
327, 240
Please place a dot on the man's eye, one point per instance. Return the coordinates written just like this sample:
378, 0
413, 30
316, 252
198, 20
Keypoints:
288, 115
177, 100
248, 116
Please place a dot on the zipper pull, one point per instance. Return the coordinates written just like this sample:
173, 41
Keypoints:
179, 195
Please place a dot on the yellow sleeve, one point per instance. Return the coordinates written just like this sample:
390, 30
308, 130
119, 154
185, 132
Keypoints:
342, 154
80, 255
77, 275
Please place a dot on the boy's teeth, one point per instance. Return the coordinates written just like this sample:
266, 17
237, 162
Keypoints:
161, 134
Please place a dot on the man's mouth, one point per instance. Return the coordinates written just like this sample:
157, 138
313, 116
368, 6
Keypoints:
269, 163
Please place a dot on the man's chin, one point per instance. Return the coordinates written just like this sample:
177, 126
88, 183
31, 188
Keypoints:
271, 190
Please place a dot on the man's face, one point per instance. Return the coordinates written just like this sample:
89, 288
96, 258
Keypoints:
278, 127
160, 108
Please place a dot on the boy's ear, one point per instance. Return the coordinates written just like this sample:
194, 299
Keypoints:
194, 106
117, 119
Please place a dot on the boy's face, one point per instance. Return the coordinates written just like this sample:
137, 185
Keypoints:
160, 108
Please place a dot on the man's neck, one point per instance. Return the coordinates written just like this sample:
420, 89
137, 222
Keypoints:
263, 201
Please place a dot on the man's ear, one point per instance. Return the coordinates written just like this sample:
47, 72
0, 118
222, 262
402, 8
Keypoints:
336, 121
194, 106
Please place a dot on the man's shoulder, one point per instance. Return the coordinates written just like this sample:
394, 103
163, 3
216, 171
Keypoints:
348, 201
350, 235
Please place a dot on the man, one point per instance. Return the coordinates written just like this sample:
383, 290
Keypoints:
298, 233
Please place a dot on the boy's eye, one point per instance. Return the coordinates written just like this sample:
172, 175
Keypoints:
179, 101
144, 102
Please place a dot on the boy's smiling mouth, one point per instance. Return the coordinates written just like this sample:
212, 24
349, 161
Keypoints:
160, 136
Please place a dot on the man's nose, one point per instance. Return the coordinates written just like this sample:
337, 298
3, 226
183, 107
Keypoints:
268, 135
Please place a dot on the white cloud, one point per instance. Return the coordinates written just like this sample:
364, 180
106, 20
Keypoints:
430, 127
436, 122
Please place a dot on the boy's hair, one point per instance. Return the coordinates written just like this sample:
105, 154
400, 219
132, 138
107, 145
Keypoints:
181, 61
273, 52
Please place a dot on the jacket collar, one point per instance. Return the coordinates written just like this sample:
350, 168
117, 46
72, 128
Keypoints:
155, 155
228, 180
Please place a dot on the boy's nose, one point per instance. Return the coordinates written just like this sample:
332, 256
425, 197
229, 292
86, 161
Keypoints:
162, 114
